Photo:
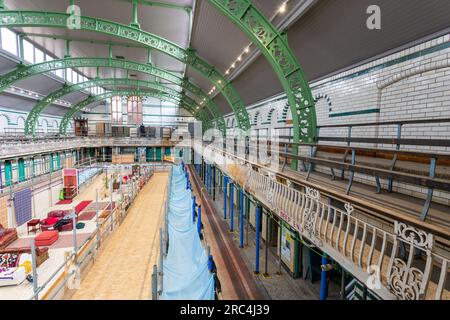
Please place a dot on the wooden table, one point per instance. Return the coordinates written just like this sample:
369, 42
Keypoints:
33, 224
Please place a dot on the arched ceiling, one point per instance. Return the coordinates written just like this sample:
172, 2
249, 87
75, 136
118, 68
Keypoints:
319, 37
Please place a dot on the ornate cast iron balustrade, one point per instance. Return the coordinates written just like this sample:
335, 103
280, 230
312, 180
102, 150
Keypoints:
397, 264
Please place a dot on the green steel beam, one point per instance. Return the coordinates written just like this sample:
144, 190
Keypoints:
33, 115
162, 5
19, 18
275, 48
128, 92
27, 71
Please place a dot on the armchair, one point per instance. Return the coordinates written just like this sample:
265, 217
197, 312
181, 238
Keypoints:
7, 236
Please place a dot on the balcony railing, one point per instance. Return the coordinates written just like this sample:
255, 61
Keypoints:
399, 264
15, 148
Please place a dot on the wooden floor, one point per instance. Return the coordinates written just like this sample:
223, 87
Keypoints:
123, 268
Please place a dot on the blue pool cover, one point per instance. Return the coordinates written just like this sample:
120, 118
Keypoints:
185, 269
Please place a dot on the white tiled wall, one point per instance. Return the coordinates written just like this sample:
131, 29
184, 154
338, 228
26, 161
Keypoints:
15, 120
416, 87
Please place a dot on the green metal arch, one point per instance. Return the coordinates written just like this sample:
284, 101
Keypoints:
33, 115
28, 71
275, 48
19, 18
128, 92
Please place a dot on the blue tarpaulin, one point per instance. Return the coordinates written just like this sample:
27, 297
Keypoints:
185, 269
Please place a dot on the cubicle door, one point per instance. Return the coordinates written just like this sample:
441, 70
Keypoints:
21, 166
8, 173
149, 154
158, 154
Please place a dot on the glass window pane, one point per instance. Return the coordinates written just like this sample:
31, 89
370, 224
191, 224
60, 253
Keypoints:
38, 55
28, 51
9, 41
69, 75
60, 73
74, 77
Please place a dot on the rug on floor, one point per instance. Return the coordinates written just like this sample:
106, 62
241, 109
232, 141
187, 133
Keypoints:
68, 201
64, 241
83, 204
86, 215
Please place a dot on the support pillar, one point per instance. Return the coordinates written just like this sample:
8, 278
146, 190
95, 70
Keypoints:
241, 216
225, 191
134, 22
231, 207
266, 253
324, 280
257, 231
193, 208
199, 220
214, 183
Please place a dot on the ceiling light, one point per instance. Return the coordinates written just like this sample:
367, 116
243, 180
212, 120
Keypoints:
239, 58
232, 66
282, 8
247, 50
227, 72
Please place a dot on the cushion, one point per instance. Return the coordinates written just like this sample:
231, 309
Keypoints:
9, 260
80, 225
50, 221
2, 232
46, 235
46, 238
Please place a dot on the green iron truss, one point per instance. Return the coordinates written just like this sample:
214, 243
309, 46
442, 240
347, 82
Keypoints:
124, 92
275, 48
32, 119
28, 71
19, 18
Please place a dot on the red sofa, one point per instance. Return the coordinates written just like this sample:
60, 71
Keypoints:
7, 236
52, 218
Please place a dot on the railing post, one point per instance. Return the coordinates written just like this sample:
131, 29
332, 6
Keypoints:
194, 202
231, 207
241, 223
214, 183
199, 220
33, 265
225, 191
111, 202
257, 231
208, 254
96, 219
161, 256
155, 283
74, 234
